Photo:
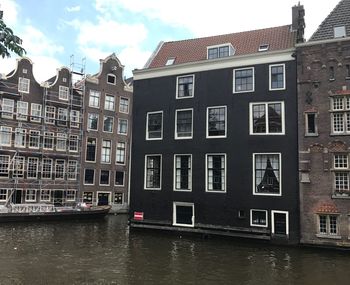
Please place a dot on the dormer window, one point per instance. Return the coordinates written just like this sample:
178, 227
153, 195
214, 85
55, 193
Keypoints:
170, 61
111, 79
264, 47
339, 32
219, 51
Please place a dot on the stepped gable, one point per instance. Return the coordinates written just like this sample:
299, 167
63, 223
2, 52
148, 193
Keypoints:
340, 16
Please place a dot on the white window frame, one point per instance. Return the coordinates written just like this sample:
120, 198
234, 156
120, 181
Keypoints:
177, 86
43, 164
186, 204
20, 138
234, 80
114, 196
328, 225
231, 50
109, 103
36, 164
104, 121
93, 177
280, 173
72, 165
121, 110
86, 148
267, 133
36, 112
18, 172
284, 76
50, 115
190, 174
119, 127
176, 130
3, 194
118, 153
73, 143
22, 111
4, 173
70, 195
207, 123
145, 172
8, 108
23, 85
266, 218
45, 195
88, 121
61, 140
63, 93
60, 173
206, 173
115, 79
115, 173
109, 177
36, 137
106, 152
273, 220
30, 195
94, 100
5, 131
49, 136
161, 132
62, 116
74, 118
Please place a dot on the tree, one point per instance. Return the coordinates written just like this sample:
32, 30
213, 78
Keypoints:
8, 41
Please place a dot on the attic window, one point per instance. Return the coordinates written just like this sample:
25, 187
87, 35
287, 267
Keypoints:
264, 47
111, 79
170, 61
220, 51
339, 32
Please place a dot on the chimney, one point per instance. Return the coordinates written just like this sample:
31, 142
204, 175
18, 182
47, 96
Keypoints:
298, 22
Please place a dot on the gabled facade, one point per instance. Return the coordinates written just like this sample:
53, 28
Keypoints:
324, 129
213, 150
107, 137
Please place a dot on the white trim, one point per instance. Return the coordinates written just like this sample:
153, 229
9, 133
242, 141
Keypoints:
109, 178
125, 153
98, 121
109, 95
231, 50
177, 86
284, 76
175, 135
174, 213
8, 132
86, 147
93, 177
214, 64
207, 123
115, 177
174, 173
123, 198
161, 133
36, 159
145, 172
206, 173
103, 129
273, 220
125, 98
266, 218
280, 174
104, 192
234, 91
115, 79
251, 127
127, 127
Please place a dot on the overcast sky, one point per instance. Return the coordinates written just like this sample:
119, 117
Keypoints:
53, 30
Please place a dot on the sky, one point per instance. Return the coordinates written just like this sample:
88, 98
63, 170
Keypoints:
54, 30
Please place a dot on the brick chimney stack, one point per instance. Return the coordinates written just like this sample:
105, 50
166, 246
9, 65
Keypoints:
298, 22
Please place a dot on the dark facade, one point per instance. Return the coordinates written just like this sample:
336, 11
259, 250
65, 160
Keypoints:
215, 140
107, 137
324, 96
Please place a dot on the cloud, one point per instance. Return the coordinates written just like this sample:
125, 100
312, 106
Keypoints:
73, 9
10, 8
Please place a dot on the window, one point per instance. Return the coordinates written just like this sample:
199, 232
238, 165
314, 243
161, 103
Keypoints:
88, 197
267, 118
185, 86
20, 137
5, 136
3, 195
267, 173
170, 61
45, 196
118, 198
104, 177
63, 93
48, 140
119, 178
74, 118
215, 172
111, 79
18, 167
182, 172
92, 122
243, 80
106, 151
73, 143
258, 218
35, 112
72, 170
220, 51
23, 85
62, 117
34, 139
109, 102
32, 168
216, 122
154, 126
277, 77
46, 168
94, 98
328, 225
30, 195
347, 71
70, 195
153, 169
183, 214
8, 107
50, 112
122, 126
60, 168
184, 124
89, 177
90, 149
120, 153
61, 142
22, 111
264, 47
4, 166
340, 114
341, 173
108, 124
339, 32
331, 73
124, 105
310, 124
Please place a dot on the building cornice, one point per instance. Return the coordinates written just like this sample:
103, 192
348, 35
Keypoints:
329, 41
214, 64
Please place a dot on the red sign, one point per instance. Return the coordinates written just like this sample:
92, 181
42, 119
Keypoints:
138, 216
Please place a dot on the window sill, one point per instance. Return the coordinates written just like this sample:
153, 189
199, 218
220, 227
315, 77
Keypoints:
341, 196
339, 134
311, 135
328, 236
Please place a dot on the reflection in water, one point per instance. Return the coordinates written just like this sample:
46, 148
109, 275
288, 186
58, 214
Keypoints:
105, 252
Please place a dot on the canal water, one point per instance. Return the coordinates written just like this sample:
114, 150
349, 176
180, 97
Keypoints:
106, 252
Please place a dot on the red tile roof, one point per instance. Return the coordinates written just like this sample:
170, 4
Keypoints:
327, 208
278, 38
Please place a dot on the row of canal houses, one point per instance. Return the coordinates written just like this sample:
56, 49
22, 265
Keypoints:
243, 134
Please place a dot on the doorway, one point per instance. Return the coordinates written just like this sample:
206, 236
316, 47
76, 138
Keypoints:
103, 198
280, 223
